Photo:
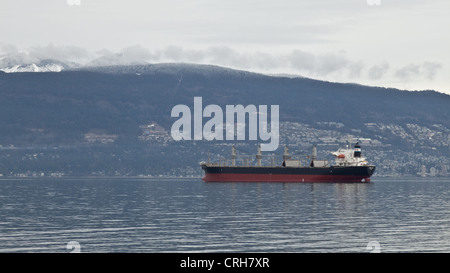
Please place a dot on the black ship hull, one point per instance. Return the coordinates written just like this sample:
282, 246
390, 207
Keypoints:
215, 173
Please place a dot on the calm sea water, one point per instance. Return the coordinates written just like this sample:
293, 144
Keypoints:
189, 215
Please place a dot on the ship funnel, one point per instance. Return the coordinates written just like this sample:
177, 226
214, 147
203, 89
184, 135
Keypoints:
357, 151
314, 152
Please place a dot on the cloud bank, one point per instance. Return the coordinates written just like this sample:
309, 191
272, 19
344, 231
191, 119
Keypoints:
333, 66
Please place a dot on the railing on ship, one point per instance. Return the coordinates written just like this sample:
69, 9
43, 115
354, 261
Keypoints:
249, 161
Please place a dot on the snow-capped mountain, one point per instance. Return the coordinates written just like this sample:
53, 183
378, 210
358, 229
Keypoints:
8, 66
33, 68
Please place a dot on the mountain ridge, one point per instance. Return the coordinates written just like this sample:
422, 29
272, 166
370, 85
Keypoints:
108, 111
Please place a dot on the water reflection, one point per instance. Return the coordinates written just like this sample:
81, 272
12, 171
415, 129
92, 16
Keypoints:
137, 215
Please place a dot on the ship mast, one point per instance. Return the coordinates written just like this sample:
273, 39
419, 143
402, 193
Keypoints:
233, 155
259, 155
286, 153
314, 152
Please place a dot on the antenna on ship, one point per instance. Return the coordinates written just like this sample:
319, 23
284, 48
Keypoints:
350, 138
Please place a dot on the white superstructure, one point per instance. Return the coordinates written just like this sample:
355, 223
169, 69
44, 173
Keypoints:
349, 157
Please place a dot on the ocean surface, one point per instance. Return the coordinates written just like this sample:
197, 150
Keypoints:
189, 215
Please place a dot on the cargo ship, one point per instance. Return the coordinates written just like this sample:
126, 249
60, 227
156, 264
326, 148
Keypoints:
349, 166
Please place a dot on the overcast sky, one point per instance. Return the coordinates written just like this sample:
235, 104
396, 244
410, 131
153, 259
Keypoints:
399, 43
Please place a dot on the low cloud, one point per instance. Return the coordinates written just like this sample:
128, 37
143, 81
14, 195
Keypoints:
302, 60
306, 63
127, 56
334, 66
330, 63
376, 72
408, 72
177, 53
63, 53
427, 70
11, 55
430, 69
